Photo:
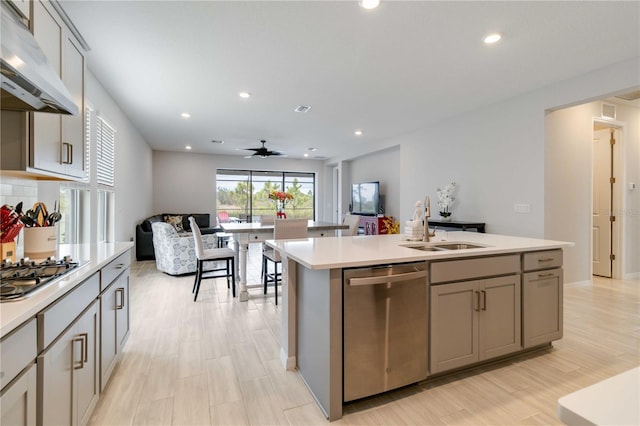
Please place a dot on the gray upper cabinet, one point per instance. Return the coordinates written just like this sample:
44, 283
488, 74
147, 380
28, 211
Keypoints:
58, 140
50, 144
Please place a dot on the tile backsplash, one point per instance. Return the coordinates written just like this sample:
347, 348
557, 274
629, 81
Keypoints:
15, 189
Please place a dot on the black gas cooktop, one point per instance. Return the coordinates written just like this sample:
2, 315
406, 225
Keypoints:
20, 279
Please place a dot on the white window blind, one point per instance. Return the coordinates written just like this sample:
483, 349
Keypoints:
105, 147
87, 144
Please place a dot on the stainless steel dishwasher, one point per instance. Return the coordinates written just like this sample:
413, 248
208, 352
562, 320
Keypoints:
384, 328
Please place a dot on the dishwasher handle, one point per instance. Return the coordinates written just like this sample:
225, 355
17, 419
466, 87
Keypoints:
383, 279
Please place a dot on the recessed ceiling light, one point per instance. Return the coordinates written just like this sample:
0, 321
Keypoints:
306, 154
302, 108
492, 38
369, 4
312, 149
187, 147
185, 115
358, 132
244, 95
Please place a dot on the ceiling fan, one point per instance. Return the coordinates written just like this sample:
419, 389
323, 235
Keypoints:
262, 152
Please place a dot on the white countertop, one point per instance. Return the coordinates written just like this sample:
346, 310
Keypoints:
613, 401
365, 250
12, 314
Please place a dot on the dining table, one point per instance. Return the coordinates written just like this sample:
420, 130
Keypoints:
245, 233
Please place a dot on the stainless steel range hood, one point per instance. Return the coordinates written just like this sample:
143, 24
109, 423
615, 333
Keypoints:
29, 82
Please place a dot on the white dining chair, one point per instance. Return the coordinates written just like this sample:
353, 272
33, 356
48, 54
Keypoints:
353, 220
209, 255
284, 229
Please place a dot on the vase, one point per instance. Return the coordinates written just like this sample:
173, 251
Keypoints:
280, 214
40, 242
446, 216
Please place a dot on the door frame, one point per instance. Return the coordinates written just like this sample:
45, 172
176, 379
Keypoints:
618, 195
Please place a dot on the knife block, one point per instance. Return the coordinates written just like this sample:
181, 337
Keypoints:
40, 242
8, 250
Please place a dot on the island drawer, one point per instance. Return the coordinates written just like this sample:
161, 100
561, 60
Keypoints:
17, 350
54, 319
542, 260
114, 268
466, 269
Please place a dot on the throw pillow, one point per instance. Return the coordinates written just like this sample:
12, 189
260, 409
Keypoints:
176, 221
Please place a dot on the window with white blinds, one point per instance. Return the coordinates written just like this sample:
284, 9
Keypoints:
105, 149
87, 143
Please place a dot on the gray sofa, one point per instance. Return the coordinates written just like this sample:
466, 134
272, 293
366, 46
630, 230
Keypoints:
144, 233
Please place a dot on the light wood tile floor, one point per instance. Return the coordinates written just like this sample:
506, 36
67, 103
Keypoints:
217, 362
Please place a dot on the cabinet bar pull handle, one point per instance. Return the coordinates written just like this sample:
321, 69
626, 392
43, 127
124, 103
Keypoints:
484, 300
69, 153
85, 346
119, 266
548, 259
383, 279
80, 364
477, 300
121, 304
545, 275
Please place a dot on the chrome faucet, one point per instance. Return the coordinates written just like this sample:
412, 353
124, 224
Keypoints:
427, 215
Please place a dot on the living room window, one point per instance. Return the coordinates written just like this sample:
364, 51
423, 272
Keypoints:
243, 195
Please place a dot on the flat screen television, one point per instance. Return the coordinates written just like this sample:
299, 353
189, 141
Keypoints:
365, 198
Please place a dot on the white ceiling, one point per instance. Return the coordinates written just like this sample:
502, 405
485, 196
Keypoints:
387, 71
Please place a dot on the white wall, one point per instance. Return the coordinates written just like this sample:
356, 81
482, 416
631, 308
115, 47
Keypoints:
569, 158
497, 156
186, 182
382, 166
133, 173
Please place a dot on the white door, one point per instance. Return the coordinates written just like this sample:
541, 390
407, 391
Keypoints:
602, 201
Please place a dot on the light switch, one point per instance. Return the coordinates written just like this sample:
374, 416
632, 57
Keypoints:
522, 208
632, 186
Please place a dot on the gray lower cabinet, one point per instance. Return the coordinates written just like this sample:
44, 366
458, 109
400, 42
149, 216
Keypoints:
114, 317
68, 381
542, 307
18, 399
473, 321
18, 351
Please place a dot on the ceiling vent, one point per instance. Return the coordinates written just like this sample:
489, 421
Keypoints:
609, 111
302, 108
217, 141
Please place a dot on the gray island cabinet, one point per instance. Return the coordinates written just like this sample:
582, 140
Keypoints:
59, 345
491, 297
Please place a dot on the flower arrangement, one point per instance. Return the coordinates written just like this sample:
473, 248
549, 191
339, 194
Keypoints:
281, 199
446, 198
280, 196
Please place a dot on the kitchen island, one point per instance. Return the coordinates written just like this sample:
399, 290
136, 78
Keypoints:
483, 297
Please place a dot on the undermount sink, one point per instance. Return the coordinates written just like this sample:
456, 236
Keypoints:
442, 246
458, 246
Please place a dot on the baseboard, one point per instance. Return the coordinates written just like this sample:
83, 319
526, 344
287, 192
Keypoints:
288, 362
585, 283
631, 276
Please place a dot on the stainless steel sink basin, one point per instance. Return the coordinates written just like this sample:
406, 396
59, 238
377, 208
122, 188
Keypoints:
442, 246
423, 247
457, 246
